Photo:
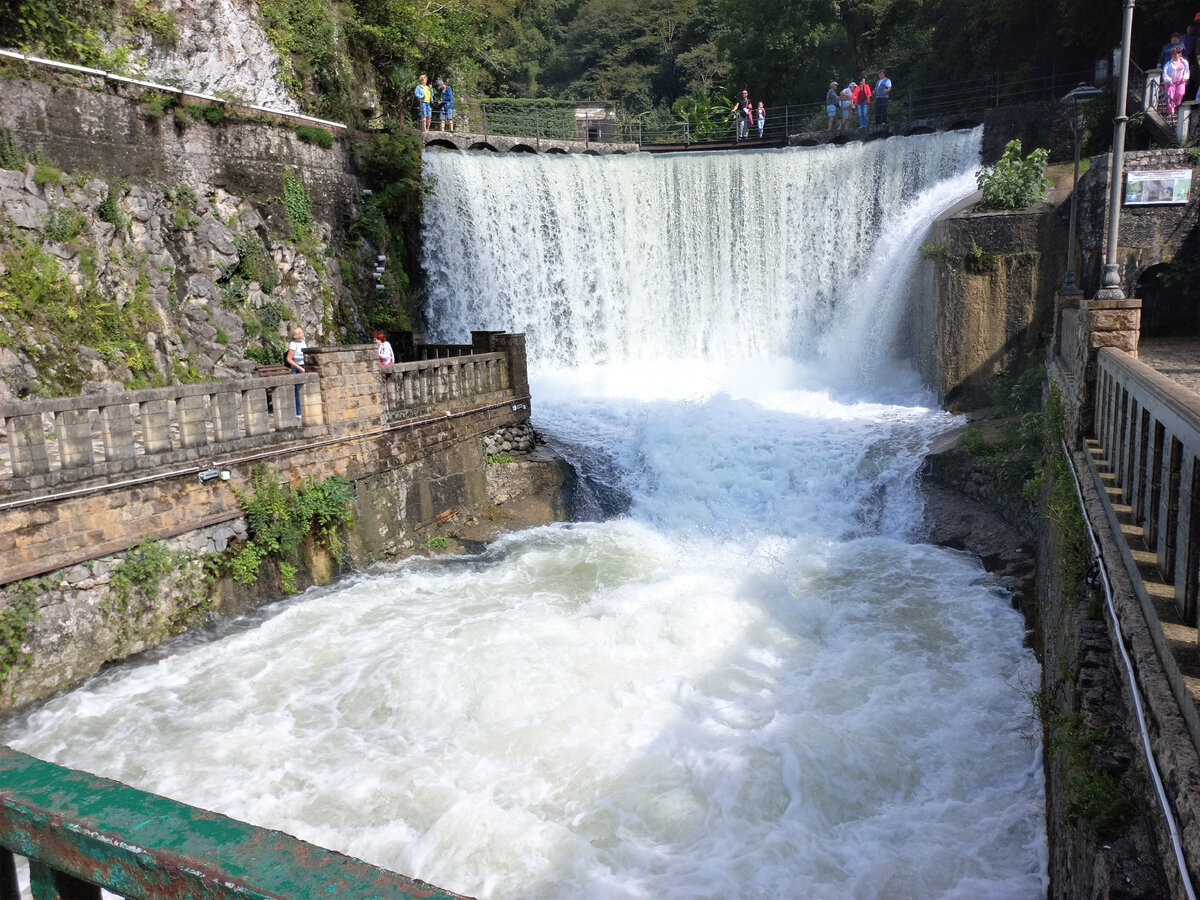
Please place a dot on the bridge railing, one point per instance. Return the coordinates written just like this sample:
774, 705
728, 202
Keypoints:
1149, 430
908, 102
81, 833
414, 388
43, 442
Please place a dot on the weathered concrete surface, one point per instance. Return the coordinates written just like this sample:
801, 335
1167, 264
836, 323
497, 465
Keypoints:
1148, 237
987, 299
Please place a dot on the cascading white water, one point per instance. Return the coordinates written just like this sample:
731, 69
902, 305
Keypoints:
724, 255
753, 684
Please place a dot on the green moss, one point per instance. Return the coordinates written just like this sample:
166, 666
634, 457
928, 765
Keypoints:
10, 155
297, 205
46, 174
160, 23
110, 210
62, 225
1095, 797
139, 579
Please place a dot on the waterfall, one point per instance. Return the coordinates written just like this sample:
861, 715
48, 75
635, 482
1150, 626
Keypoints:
756, 681
726, 256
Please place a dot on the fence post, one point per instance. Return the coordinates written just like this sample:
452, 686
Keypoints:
537, 127
483, 118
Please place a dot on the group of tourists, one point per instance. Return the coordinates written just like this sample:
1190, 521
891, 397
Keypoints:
440, 95
1176, 60
749, 116
858, 96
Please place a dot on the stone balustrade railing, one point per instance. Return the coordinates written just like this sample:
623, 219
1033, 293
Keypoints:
415, 386
1149, 430
49, 445
73, 438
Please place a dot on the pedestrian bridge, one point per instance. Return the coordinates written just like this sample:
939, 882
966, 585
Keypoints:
497, 143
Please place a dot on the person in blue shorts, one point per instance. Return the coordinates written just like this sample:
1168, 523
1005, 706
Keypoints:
447, 98
424, 100
831, 103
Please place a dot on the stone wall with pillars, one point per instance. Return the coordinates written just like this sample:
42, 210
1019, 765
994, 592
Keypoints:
417, 469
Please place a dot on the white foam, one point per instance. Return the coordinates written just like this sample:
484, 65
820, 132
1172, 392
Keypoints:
752, 685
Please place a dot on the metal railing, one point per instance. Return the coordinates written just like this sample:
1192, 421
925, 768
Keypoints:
908, 103
81, 833
117, 78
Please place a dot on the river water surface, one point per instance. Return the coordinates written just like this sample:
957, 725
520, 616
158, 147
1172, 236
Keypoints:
742, 674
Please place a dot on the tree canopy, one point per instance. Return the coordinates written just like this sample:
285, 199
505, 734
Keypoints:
644, 56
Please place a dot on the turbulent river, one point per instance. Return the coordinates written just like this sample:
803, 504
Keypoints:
740, 673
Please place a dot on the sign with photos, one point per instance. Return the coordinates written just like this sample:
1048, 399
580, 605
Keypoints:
1166, 186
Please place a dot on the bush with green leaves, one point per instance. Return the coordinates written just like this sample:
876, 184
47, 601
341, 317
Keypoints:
297, 205
312, 134
17, 615
1014, 182
278, 519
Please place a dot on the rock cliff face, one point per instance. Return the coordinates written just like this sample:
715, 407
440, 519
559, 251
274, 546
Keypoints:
221, 48
195, 248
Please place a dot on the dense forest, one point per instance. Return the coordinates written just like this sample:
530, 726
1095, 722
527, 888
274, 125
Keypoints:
651, 58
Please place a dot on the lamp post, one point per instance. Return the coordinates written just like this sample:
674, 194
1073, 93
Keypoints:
1082, 93
1111, 289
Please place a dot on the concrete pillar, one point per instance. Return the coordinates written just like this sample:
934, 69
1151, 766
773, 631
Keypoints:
116, 428
75, 438
351, 385
27, 441
225, 416
1115, 323
518, 373
1064, 299
310, 403
192, 421
258, 420
156, 426
408, 346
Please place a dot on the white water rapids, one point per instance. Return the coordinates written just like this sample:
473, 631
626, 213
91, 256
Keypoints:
754, 682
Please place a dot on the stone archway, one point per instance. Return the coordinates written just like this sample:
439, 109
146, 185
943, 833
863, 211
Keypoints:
1170, 301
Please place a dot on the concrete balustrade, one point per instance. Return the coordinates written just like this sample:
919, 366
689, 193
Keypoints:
1148, 428
83, 477
75, 438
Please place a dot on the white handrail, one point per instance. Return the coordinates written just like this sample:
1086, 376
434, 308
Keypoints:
113, 76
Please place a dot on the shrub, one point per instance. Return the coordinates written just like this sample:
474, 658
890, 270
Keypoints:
110, 207
159, 22
10, 156
311, 134
46, 174
298, 206
278, 520
1014, 183
62, 225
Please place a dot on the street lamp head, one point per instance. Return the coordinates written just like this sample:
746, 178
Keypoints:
1081, 93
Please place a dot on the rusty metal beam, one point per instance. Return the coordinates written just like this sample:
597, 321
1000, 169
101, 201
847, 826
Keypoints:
141, 845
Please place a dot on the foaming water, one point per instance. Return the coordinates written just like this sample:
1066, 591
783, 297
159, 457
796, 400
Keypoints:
756, 683
725, 256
